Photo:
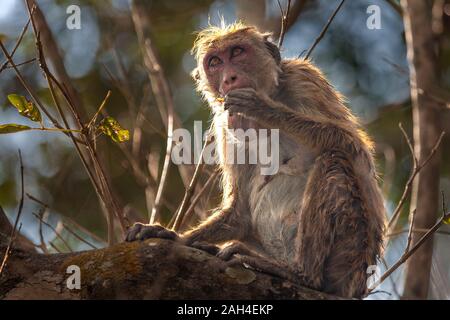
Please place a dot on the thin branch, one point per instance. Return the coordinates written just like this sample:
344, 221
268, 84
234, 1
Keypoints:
190, 189
22, 63
444, 219
54, 230
78, 237
417, 167
42, 244
396, 6
19, 213
324, 30
197, 198
415, 230
102, 105
284, 22
18, 42
410, 231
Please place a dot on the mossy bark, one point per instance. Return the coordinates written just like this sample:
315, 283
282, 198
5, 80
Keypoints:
152, 269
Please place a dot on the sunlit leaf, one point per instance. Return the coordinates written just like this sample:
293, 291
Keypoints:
12, 128
25, 107
110, 127
447, 219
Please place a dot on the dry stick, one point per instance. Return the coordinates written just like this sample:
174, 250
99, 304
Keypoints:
156, 73
42, 244
70, 221
102, 186
19, 213
45, 70
324, 30
78, 237
19, 40
415, 230
397, 7
410, 231
284, 21
55, 248
417, 167
54, 230
406, 255
22, 63
194, 202
190, 189
52, 51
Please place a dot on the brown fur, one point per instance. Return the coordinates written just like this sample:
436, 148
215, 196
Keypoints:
332, 229
322, 215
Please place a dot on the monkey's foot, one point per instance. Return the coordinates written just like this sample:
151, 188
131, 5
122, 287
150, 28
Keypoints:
140, 231
237, 253
265, 265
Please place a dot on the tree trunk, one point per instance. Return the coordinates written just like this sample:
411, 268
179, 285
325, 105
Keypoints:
425, 193
152, 269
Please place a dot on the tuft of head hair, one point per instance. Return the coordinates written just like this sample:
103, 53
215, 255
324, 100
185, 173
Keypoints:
208, 36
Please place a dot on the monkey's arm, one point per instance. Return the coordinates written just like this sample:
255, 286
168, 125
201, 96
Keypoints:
320, 133
223, 225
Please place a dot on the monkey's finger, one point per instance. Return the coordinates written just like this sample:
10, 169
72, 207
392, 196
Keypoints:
167, 234
133, 231
148, 232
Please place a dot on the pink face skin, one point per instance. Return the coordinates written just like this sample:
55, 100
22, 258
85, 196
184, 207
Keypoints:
227, 69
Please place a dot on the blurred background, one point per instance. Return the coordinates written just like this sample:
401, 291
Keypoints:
369, 66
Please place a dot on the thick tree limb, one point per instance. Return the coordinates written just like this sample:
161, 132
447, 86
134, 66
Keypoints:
153, 269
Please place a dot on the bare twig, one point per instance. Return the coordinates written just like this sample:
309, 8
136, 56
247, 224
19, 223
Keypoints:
410, 231
190, 189
162, 95
197, 198
416, 169
444, 219
396, 6
78, 237
284, 22
19, 213
42, 244
18, 42
72, 222
54, 230
324, 30
102, 105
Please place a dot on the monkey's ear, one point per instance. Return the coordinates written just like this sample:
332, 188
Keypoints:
195, 74
273, 49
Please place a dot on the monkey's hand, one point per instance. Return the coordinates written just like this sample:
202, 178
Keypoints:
247, 102
140, 231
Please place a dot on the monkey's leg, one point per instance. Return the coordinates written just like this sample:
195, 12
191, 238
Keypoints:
336, 240
238, 253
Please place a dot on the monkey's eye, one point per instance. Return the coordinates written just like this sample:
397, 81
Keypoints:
236, 51
214, 61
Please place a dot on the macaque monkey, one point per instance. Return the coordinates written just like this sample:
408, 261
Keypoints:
321, 216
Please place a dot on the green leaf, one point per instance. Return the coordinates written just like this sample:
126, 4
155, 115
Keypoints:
26, 108
447, 219
110, 127
12, 128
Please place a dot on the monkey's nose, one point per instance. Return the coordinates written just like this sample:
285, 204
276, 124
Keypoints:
230, 81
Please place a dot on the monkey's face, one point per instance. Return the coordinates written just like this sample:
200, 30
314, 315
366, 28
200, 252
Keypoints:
236, 61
